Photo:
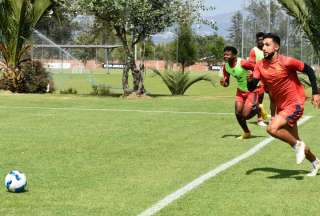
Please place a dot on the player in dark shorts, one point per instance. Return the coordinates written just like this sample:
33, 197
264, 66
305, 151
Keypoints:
279, 75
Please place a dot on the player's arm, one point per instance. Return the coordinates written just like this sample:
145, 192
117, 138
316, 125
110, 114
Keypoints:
252, 56
312, 78
297, 65
253, 83
313, 81
248, 66
226, 77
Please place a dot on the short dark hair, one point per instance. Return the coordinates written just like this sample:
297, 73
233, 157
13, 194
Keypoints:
259, 34
273, 36
232, 49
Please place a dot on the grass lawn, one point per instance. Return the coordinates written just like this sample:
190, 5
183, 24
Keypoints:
86, 155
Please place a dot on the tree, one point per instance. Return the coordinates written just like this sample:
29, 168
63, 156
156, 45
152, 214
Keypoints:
146, 50
210, 48
235, 30
185, 48
133, 22
257, 20
307, 14
57, 24
18, 19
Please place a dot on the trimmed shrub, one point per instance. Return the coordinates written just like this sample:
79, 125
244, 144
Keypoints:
33, 78
101, 90
69, 91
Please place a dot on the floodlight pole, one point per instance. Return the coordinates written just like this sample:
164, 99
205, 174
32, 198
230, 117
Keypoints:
242, 31
288, 29
177, 49
301, 44
269, 16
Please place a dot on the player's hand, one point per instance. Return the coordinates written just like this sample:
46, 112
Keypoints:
316, 100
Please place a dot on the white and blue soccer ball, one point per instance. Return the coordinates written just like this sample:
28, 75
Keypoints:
15, 181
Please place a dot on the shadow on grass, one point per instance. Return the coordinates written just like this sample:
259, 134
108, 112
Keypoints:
256, 123
119, 95
279, 173
159, 95
237, 135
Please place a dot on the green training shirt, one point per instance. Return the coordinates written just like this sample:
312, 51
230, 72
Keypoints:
259, 53
239, 73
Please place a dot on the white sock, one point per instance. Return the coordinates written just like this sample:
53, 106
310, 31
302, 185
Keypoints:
315, 162
297, 143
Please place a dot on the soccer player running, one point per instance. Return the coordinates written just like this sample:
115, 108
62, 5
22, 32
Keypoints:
279, 75
255, 55
245, 101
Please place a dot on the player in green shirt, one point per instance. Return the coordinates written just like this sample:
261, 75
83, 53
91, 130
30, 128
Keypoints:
245, 101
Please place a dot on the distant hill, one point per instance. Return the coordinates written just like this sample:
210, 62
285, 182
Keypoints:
223, 23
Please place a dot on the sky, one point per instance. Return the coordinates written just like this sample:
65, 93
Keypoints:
224, 6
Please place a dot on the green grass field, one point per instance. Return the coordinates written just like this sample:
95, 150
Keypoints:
86, 155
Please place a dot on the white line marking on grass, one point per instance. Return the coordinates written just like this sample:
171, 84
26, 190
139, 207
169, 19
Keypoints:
200, 180
115, 110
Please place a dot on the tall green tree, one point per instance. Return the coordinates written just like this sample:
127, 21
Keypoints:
18, 19
307, 14
210, 48
185, 46
235, 31
133, 22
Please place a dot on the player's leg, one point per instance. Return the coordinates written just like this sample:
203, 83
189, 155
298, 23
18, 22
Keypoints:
250, 108
280, 129
241, 120
284, 127
262, 114
239, 104
259, 115
277, 128
309, 155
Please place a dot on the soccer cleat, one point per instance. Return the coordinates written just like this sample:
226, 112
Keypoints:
263, 112
261, 123
300, 149
314, 169
245, 135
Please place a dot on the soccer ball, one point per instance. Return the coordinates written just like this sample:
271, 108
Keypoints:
15, 181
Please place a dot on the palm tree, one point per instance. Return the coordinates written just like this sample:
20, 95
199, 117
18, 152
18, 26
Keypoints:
307, 14
18, 19
178, 83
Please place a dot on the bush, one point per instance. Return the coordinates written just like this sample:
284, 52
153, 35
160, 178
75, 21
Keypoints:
33, 78
101, 90
69, 91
